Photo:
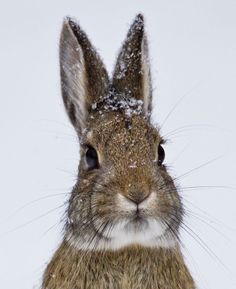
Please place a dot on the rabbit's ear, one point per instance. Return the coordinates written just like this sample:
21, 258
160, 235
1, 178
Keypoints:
83, 76
132, 71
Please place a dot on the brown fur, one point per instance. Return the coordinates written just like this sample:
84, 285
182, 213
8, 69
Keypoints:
130, 268
113, 118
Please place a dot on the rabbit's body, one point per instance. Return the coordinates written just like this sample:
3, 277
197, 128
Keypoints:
134, 267
124, 213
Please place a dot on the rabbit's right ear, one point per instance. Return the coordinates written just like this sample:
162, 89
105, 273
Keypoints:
83, 76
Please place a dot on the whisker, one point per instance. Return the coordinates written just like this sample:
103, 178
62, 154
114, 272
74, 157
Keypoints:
186, 128
211, 218
32, 202
197, 168
179, 101
203, 244
31, 221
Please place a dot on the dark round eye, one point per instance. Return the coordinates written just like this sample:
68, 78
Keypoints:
161, 155
91, 158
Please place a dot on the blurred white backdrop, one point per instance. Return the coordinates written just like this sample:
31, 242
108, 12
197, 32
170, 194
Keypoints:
193, 56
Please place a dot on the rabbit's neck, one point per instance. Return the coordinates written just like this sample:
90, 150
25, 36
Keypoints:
133, 267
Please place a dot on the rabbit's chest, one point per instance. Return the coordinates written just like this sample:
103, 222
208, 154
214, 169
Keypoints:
113, 275
131, 275
127, 269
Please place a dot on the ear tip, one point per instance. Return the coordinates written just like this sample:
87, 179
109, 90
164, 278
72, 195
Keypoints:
140, 17
70, 22
138, 23
66, 20
139, 20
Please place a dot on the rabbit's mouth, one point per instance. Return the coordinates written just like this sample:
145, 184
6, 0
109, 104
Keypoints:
137, 218
138, 223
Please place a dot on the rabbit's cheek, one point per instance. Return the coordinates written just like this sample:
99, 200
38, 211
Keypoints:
102, 205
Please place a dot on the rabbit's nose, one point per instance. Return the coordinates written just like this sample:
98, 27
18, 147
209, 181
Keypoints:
137, 197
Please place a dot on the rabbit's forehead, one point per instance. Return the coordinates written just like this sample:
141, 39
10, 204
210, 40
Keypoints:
118, 128
133, 138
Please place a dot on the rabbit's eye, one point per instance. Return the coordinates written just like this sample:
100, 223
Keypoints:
161, 155
91, 158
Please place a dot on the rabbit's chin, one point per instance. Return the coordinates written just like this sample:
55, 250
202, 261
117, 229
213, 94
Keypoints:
138, 231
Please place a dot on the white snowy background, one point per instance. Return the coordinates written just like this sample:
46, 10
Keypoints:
193, 56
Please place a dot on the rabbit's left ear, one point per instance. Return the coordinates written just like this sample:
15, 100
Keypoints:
132, 71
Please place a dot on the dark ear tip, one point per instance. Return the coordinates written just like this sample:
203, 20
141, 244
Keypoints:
138, 24
139, 17
139, 21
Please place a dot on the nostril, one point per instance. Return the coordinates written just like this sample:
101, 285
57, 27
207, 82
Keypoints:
137, 197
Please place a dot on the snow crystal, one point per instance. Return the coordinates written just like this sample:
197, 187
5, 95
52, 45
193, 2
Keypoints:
85, 130
94, 105
133, 165
122, 70
70, 220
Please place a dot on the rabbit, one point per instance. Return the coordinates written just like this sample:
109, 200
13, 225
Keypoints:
124, 212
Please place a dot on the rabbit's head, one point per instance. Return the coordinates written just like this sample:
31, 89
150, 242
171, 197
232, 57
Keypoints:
124, 194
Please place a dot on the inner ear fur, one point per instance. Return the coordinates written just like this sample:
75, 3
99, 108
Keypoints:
83, 76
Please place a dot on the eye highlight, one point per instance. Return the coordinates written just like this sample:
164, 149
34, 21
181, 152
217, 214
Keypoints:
91, 158
161, 155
